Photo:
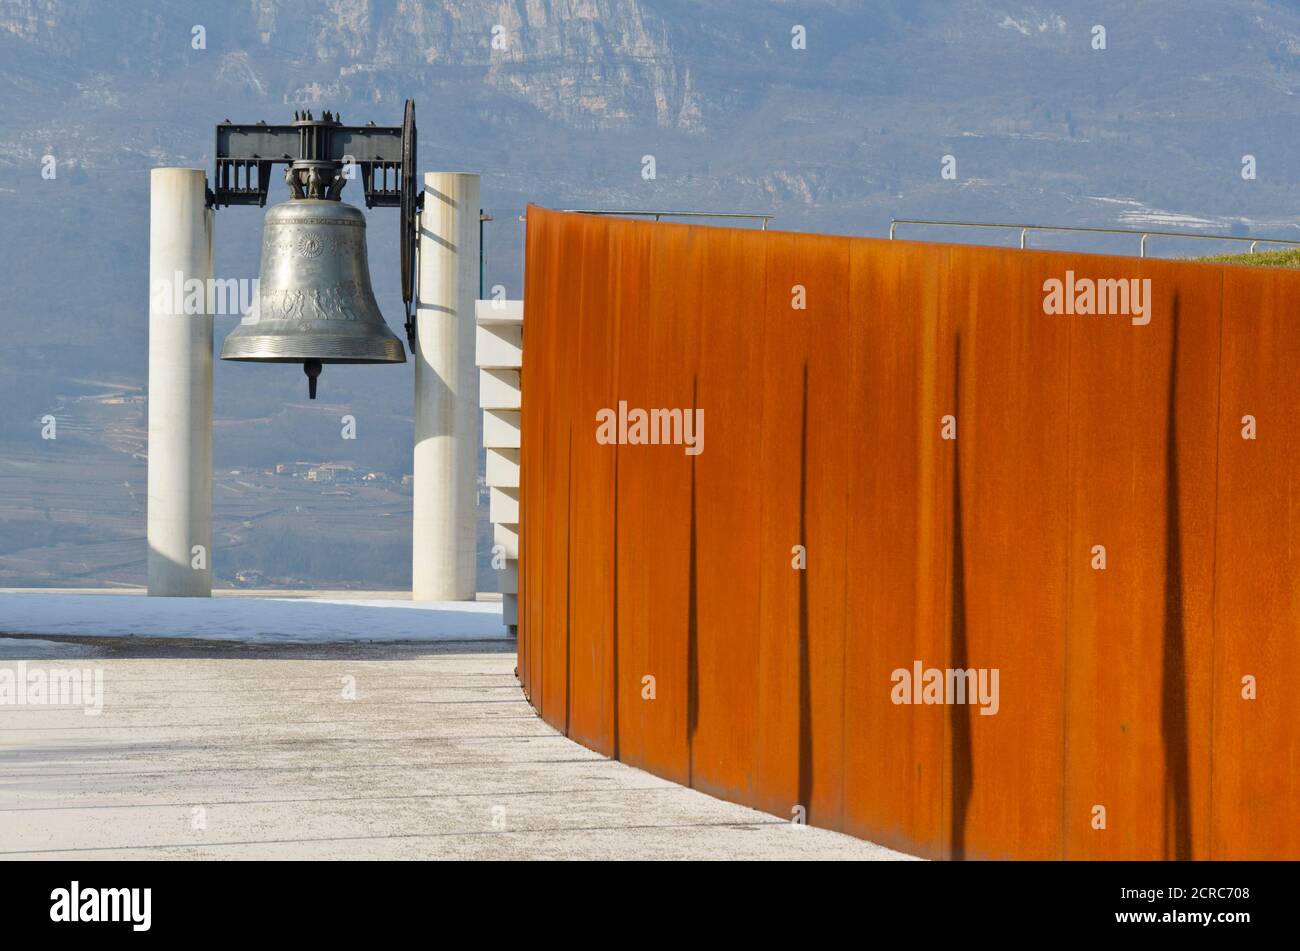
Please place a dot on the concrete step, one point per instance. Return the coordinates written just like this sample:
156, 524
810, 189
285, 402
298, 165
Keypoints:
508, 578
498, 389
507, 536
503, 505
501, 429
503, 468
499, 346
497, 312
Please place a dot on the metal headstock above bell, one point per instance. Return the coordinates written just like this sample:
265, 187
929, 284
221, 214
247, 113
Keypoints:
314, 304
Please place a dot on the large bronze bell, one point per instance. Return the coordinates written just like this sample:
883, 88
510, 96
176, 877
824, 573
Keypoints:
314, 303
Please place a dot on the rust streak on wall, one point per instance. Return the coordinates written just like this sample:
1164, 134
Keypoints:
734, 619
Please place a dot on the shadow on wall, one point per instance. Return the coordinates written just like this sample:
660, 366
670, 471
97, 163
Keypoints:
1173, 694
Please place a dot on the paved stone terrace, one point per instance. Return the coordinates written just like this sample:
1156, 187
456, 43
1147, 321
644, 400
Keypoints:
225, 751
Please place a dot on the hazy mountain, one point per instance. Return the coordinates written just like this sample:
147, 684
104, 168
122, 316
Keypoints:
839, 136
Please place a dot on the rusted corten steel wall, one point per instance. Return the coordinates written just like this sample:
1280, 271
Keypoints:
1121, 687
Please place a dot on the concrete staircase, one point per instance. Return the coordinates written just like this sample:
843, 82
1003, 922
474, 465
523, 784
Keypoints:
499, 350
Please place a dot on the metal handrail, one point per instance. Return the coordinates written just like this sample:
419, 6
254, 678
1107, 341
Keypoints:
1025, 229
672, 214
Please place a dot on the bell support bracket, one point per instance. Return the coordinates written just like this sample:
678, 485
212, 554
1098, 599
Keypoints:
411, 199
382, 157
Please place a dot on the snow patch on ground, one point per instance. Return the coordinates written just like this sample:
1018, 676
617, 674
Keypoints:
251, 620
1137, 213
26, 648
1167, 219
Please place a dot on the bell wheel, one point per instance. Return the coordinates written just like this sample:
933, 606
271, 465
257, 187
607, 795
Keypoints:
409, 203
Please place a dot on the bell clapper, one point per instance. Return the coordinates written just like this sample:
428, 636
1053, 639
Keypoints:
312, 369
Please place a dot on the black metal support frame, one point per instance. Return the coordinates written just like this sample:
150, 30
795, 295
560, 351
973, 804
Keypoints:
383, 158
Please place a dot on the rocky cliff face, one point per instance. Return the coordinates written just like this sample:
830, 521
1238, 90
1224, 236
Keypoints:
586, 63
564, 105
566, 95
557, 101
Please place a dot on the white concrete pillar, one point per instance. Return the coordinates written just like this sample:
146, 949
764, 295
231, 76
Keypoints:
445, 490
180, 386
